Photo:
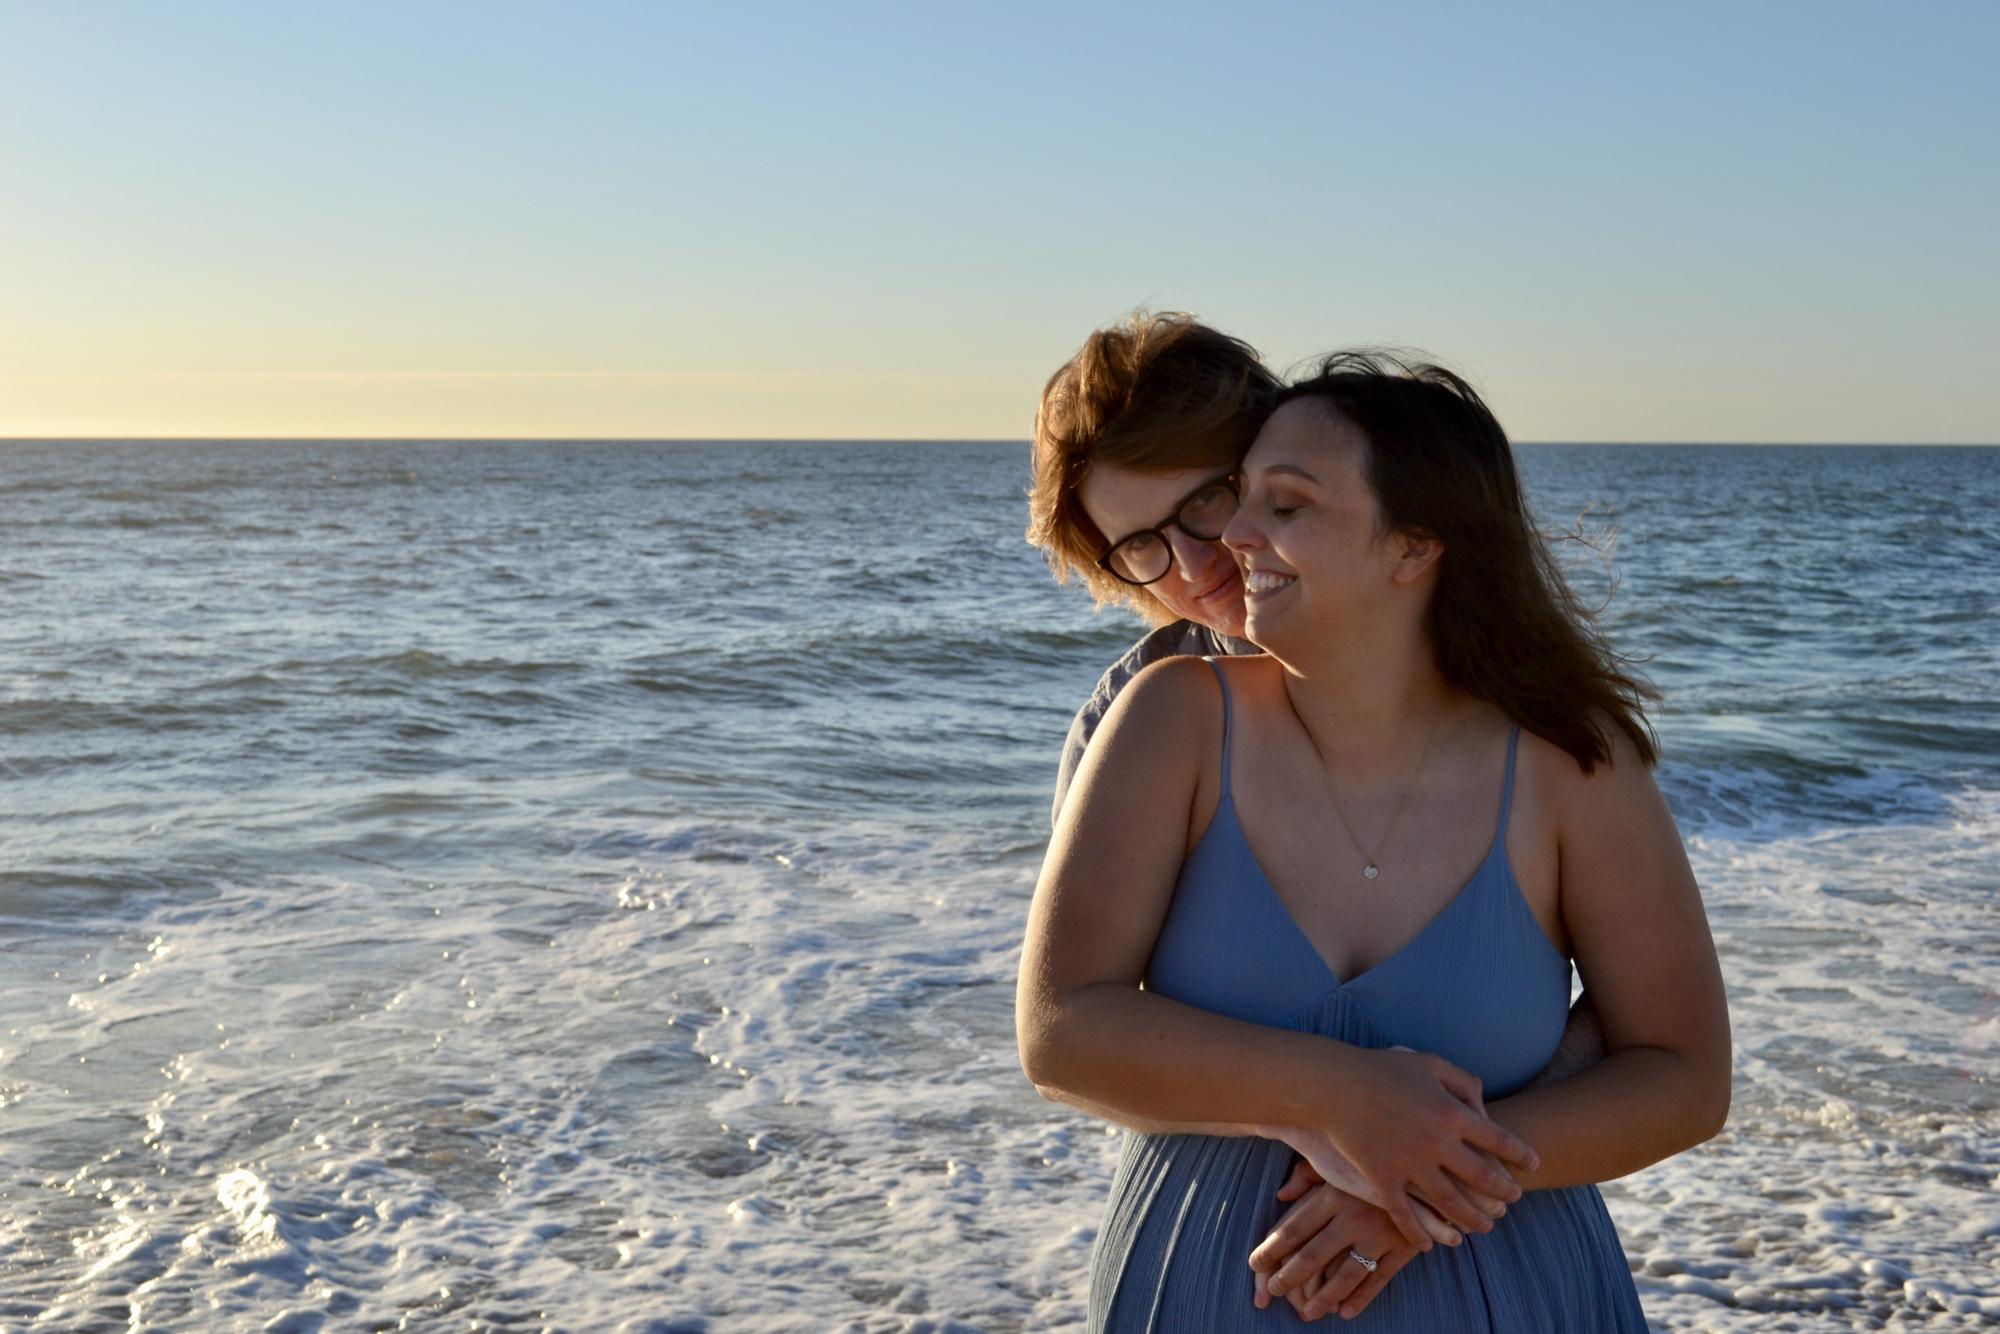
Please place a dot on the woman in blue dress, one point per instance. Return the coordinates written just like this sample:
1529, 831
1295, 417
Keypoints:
1327, 899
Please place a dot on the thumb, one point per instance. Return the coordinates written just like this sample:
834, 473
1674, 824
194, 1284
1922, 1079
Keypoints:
1407, 1224
1302, 1179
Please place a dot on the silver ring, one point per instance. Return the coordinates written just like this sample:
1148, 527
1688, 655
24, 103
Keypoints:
1362, 1260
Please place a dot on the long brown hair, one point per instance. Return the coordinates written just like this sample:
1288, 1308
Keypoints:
1503, 621
1153, 393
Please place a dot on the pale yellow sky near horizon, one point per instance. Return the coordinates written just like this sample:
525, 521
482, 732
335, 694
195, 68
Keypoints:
419, 404
503, 405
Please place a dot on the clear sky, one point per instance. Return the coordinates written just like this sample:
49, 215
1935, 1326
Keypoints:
1762, 221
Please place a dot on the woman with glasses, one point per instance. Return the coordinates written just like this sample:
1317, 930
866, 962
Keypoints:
1137, 436
1395, 831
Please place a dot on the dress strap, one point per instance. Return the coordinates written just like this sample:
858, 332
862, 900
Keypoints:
1222, 679
1506, 788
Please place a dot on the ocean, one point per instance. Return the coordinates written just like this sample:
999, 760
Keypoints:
578, 885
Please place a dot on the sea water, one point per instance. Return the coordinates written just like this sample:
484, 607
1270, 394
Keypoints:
579, 886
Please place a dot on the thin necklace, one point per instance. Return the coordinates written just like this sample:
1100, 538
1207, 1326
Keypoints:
1373, 866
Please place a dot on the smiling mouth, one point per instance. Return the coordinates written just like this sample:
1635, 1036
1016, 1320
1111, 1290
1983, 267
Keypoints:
1263, 583
1222, 585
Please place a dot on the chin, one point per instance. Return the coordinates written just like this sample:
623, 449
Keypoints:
1266, 632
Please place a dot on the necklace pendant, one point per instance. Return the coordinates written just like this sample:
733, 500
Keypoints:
1371, 870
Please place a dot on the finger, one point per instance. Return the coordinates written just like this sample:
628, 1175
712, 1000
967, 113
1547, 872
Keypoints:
1302, 1179
1463, 1086
1488, 1205
1494, 1205
1438, 1230
1504, 1144
1299, 1225
1260, 1291
1357, 1301
1492, 1208
1401, 1215
1302, 1297
1318, 1254
1341, 1280
1479, 1176
1441, 1193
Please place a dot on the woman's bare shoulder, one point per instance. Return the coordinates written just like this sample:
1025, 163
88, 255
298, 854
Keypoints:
1155, 738
1255, 680
1171, 687
1175, 699
1561, 775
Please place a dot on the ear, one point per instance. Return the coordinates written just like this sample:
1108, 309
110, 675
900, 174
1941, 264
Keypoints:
1416, 554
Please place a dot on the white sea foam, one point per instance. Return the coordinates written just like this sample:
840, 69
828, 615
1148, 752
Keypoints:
734, 1083
1854, 1185
709, 1079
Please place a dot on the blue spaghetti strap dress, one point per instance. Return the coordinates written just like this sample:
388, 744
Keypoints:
1480, 985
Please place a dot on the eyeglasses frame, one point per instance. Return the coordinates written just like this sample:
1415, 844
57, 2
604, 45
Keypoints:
1159, 530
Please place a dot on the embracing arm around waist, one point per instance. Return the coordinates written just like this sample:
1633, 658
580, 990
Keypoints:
1075, 745
1641, 943
1087, 1033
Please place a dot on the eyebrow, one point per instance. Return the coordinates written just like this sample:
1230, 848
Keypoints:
1291, 470
1175, 512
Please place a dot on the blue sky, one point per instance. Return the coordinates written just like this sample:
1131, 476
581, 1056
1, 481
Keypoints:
1704, 222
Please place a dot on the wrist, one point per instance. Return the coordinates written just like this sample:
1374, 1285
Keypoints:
1326, 1078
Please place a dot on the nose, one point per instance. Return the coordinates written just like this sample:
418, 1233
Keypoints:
1193, 555
1242, 533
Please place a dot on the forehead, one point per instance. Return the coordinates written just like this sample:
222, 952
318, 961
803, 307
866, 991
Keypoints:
1313, 435
1121, 500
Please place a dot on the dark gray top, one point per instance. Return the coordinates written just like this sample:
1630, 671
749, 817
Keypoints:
1182, 639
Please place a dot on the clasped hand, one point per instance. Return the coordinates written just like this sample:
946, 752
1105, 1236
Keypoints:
1408, 1156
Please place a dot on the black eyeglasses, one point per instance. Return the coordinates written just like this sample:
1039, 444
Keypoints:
1145, 557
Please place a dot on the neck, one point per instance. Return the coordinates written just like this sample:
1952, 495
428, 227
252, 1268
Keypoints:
1368, 705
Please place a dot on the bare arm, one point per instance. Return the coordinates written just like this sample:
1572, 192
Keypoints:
1580, 1047
1642, 945
1149, 1126
1407, 1121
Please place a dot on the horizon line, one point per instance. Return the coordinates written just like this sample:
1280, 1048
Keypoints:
877, 440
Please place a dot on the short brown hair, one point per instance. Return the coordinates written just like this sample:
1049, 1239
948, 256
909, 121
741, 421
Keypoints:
1154, 393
